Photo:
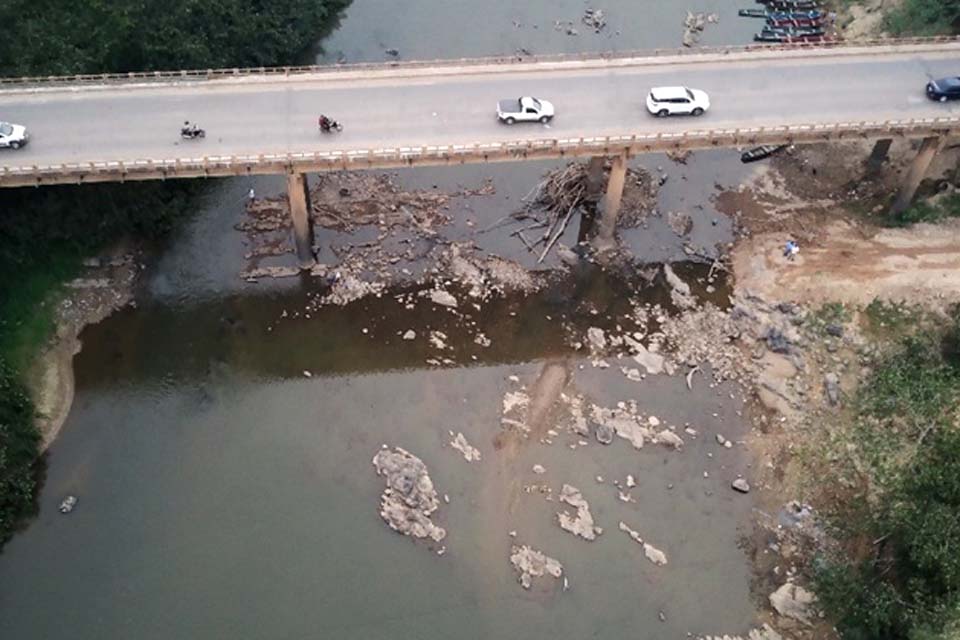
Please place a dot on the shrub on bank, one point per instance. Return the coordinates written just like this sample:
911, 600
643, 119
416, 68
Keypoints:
18, 452
924, 17
896, 572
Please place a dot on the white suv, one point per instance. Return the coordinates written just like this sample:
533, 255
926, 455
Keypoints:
13, 135
669, 101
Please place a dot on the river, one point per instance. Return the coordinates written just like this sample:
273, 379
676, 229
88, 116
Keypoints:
224, 493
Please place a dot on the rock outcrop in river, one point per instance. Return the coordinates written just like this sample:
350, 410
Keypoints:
531, 563
410, 497
581, 524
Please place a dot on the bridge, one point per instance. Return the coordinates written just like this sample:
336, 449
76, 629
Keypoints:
100, 128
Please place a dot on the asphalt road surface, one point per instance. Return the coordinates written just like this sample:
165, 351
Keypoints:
129, 123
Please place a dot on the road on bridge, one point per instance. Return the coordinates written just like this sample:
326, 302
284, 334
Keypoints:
278, 115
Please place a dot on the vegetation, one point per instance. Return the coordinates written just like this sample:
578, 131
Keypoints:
44, 233
895, 478
947, 207
924, 17
18, 452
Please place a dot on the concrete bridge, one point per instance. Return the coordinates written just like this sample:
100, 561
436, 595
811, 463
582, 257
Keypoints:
103, 128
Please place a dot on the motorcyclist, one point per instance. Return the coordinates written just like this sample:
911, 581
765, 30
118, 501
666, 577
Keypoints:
189, 129
325, 123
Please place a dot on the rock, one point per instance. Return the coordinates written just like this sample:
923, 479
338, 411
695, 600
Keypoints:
680, 293
720, 439
669, 438
604, 433
596, 338
634, 535
681, 223
539, 469
654, 363
410, 497
438, 339
348, 288
777, 341
410, 334
581, 524
654, 555
835, 330
741, 485
443, 298
470, 453
793, 601
766, 632
68, 504
631, 482
831, 387
531, 563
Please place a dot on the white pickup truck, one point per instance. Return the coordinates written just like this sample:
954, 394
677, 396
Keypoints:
13, 135
526, 109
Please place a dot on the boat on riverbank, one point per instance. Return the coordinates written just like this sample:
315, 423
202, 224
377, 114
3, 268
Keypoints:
759, 153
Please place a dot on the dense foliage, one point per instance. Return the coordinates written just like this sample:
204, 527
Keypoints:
94, 36
897, 573
45, 232
924, 17
18, 452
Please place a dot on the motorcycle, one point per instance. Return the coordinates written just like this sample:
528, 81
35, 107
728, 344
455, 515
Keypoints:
191, 133
329, 126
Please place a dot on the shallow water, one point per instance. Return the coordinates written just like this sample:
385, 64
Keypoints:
222, 493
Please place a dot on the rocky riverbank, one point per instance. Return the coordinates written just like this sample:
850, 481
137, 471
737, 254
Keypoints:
105, 285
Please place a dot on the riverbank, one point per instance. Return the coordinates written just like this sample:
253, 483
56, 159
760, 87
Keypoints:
106, 285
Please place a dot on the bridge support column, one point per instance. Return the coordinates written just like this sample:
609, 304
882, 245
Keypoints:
299, 198
610, 205
918, 169
595, 178
879, 154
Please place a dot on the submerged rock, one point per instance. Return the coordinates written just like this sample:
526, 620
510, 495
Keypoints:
604, 433
531, 563
581, 524
410, 497
460, 443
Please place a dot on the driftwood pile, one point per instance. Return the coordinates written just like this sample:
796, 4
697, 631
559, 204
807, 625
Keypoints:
550, 206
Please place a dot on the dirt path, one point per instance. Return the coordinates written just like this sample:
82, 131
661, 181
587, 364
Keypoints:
854, 264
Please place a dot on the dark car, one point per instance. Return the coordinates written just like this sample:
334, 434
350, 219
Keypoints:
944, 89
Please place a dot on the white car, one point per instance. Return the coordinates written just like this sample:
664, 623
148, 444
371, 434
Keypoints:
13, 135
525, 109
670, 101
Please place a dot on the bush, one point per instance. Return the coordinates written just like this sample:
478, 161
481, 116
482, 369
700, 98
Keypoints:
19, 441
924, 17
897, 572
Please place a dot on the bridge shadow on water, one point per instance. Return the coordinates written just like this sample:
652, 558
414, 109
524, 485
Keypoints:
282, 335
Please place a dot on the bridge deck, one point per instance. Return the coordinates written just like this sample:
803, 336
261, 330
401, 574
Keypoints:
420, 114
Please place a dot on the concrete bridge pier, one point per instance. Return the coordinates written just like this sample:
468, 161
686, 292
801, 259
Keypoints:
879, 154
298, 195
918, 169
610, 205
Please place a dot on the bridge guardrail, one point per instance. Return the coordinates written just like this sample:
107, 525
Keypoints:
238, 72
219, 165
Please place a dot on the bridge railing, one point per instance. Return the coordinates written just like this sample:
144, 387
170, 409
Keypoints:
218, 165
237, 72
